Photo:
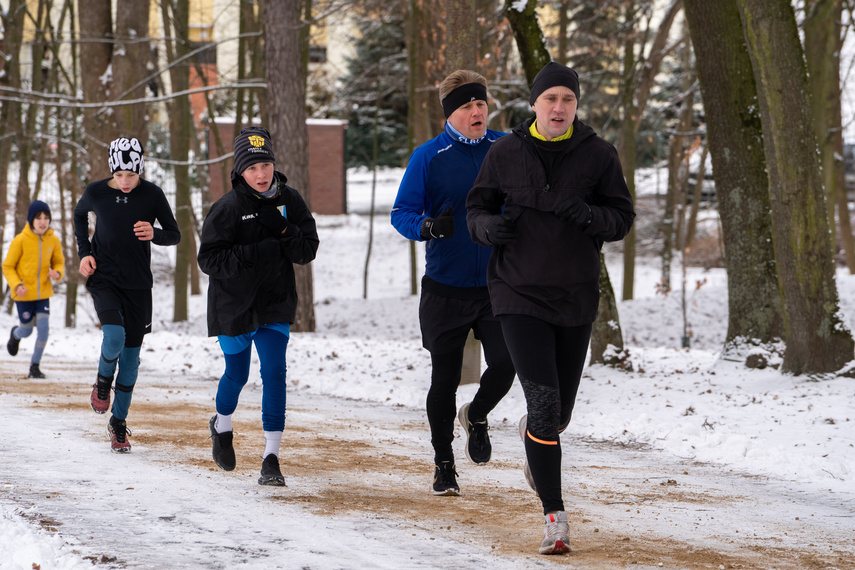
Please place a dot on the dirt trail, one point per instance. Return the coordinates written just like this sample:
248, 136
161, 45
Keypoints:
628, 506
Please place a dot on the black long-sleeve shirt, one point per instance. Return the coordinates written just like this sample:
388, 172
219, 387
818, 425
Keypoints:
121, 257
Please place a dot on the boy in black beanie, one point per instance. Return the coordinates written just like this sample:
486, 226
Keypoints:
251, 238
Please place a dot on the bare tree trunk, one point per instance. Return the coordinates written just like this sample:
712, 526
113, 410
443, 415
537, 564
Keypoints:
75, 180
638, 80
692, 225
181, 128
27, 143
735, 139
606, 330
421, 42
286, 96
846, 235
563, 24
131, 53
461, 51
529, 36
627, 148
10, 111
817, 338
675, 199
823, 42
96, 30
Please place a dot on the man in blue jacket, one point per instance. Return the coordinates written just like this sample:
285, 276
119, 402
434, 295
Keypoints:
430, 206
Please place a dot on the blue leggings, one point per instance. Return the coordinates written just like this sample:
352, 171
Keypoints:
114, 354
271, 346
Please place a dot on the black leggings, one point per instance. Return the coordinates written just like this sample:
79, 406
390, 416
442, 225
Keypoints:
549, 360
496, 380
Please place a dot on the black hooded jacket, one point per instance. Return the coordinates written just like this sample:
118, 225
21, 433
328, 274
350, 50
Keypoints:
551, 270
251, 269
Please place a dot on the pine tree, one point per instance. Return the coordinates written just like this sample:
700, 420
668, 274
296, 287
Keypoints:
375, 92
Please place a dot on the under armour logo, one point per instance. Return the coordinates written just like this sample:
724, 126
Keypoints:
120, 199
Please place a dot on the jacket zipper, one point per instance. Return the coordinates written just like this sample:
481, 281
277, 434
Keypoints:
39, 272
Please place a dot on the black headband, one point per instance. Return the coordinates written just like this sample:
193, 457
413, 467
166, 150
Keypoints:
459, 96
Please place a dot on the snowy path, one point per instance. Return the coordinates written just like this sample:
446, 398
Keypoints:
357, 495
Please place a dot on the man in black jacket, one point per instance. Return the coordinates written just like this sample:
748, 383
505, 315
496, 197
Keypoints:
546, 198
251, 238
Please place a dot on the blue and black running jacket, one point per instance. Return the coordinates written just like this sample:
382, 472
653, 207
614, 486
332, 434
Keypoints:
440, 174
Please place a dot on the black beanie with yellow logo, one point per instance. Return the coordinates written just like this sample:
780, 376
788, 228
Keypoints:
252, 145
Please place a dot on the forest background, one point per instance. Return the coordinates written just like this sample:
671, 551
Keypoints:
746, 92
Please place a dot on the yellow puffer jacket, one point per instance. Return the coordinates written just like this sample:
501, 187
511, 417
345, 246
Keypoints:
30, 259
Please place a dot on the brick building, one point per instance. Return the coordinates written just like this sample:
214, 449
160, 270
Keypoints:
327, 166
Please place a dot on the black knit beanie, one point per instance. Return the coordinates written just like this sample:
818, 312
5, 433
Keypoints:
127, 154
252, 145
552, 75
36, 207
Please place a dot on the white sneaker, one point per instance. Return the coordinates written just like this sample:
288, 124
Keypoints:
556, 536
526, 470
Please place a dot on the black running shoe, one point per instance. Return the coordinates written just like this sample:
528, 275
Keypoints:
445, 480
270, 473
12, 345
224, 451
35, 372
478, 447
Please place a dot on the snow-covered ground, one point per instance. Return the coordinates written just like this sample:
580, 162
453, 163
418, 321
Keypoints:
687, 405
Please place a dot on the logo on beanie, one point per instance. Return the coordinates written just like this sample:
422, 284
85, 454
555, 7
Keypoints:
126, 154
256, 140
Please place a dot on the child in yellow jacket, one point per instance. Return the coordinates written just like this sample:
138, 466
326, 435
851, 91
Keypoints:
34, 258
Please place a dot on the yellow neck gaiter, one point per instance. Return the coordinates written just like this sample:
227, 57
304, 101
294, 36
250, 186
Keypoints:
533, 130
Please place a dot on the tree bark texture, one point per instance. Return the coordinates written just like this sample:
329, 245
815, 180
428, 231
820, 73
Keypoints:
181, 128
286, 97
817, 338
822, 44
27, 143
461, 48
425, 46
529, 36
95, 23
131, 54
627, 149
606, 330
735, 140
422, 46
10, 111
461, 52
823, 41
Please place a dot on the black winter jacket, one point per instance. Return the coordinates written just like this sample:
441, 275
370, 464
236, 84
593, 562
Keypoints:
251, 269
551, 271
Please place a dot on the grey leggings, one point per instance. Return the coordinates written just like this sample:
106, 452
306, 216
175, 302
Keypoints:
23, 330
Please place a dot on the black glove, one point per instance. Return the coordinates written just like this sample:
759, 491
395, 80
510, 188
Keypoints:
267, 250
501, 230
272, 219
574, 210
439, 227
